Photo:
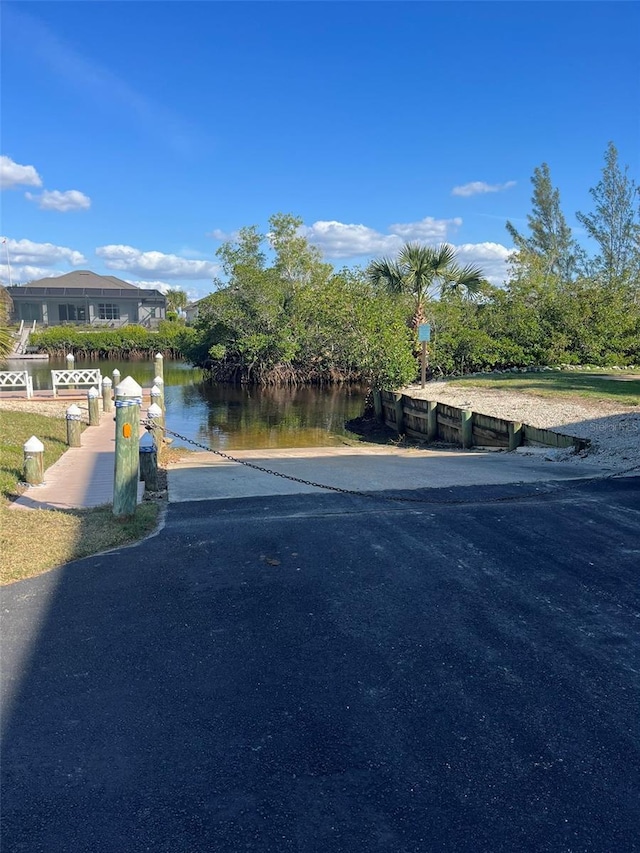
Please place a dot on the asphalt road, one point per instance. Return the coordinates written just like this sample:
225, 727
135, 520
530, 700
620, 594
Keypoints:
324, 673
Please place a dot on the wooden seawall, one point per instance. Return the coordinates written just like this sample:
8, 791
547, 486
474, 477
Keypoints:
429, 420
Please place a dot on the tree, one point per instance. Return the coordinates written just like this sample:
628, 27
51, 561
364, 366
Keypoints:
5, 310
550, 237
423, 272
177, 300
614, 224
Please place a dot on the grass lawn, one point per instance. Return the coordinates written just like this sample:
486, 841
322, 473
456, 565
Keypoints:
569, 383
33, 541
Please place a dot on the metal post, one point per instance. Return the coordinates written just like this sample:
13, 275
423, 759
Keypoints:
423, 372
107, 402
125, 484
94, 410
74, 425
33, 461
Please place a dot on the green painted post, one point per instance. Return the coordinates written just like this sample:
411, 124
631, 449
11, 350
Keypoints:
148, 463
94, 406
125, 483
156, 416
377, 404
159, 365
466, 428
33, 461
399, 414
74, 425
432, 420
107, 402
515, 434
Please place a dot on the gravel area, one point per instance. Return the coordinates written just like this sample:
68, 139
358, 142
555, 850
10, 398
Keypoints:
614, 430
51, 408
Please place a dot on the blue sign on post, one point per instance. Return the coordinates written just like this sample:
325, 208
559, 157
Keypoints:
424, 333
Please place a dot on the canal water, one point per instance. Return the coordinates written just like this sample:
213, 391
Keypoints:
233, 417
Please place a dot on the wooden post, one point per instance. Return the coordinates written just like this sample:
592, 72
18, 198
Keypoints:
466, 428
515, 434
158, 384
74, 425
399, 414
377, 404
148, 463
423, 371
94, 409
70, 364
116, 377
432, 420
156, 416
107, 402
33, 461
125, 483
159, 365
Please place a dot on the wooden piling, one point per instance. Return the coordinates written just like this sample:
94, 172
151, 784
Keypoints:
125, 483
515, 434
159, 365
158, 384
148, 463
107, 402
94, 406
399, 409
74, 425
33, 461
432, 420
466, 428
156, 416
377, 404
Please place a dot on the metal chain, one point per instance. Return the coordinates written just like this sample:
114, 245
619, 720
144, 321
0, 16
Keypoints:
151, 425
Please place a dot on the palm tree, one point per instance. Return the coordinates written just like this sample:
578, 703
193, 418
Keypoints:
425, 272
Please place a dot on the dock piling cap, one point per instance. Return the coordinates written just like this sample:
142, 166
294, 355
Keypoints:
73, 412
128, 388
92, 392
107, 381
33, 445
159, 381
154, 411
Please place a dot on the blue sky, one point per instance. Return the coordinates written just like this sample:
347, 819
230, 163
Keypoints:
138, 135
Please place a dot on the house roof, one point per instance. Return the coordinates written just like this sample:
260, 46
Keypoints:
83, 279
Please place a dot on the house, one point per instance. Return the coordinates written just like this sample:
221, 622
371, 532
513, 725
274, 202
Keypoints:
192, 310
85, 298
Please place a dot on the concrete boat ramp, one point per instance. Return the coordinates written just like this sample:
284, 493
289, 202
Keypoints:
367, 468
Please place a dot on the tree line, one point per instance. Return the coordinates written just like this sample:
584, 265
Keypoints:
297, 319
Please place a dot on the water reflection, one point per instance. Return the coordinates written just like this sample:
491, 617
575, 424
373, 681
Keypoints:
234, 417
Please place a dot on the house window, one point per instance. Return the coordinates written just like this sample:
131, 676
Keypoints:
71, 313
108, 311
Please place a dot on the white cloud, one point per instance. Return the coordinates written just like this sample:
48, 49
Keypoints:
341, 240
13, 174
28, 252
129, 259
426, 230
479, 187
24, 273
219, 234
492, 259
61, 201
